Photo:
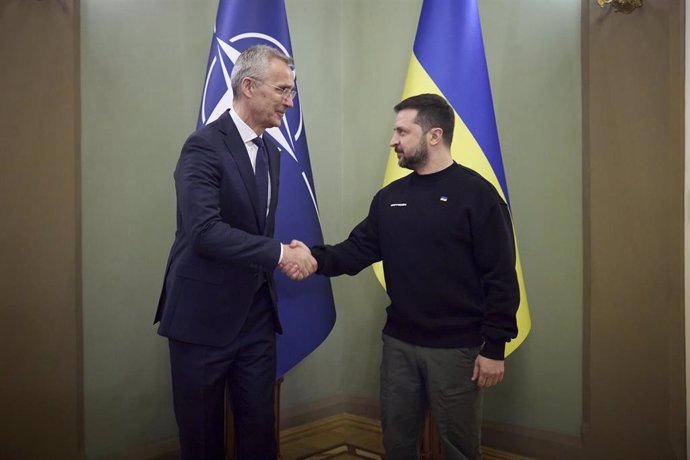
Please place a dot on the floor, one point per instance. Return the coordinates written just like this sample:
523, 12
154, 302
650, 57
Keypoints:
338, 437
347, 437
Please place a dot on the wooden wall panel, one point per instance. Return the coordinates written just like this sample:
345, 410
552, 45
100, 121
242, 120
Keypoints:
634, 160
40, 376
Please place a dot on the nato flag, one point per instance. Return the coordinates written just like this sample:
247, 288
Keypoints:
306, 308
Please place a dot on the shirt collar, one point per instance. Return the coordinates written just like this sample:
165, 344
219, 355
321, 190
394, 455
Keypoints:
246, 133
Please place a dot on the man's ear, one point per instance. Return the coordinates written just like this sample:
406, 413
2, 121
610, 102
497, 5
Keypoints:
436, 136
247, 87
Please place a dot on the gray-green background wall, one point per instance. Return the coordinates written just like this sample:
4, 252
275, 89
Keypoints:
142, 70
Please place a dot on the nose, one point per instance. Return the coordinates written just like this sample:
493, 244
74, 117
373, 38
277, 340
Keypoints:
289, 102
394, 141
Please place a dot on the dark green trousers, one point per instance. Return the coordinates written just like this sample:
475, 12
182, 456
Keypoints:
414, 378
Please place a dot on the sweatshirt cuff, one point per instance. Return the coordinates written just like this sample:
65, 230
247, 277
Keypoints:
493, 350
317, 254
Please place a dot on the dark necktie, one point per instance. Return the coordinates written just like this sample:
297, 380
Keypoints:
261, 176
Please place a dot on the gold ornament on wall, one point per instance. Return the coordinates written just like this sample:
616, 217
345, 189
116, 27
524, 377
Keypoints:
621, 6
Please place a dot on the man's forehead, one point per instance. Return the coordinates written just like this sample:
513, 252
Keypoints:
280, 67
406, 117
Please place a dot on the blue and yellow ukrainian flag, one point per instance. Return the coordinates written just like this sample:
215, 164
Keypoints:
448, 59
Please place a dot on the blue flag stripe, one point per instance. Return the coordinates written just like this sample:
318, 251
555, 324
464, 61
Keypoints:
450, 47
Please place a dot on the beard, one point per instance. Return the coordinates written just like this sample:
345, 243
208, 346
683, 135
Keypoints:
417, 159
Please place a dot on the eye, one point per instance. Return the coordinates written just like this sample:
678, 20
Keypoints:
286, 91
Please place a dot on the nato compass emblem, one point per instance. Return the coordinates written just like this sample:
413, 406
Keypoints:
217, 98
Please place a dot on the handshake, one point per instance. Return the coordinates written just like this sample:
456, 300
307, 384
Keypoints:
297, 262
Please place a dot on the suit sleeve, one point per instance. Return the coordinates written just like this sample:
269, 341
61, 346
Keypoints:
198, 184
357, 252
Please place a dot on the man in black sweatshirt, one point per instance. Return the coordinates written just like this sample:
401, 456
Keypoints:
445, 237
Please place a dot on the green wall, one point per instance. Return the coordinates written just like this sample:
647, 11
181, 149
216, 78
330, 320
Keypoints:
533, 53
142, 70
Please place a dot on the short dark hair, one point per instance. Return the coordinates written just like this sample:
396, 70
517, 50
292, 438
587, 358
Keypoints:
433, 111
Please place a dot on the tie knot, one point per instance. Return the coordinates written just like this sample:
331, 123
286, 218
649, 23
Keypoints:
259, 142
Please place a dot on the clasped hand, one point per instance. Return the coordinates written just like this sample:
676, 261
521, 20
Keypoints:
297, 262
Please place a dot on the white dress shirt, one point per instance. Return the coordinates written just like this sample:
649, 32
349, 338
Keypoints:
248, 135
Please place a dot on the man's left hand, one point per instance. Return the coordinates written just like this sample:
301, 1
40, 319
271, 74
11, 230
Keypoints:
487, 372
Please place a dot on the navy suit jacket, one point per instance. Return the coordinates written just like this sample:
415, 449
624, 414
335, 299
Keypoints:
220, 257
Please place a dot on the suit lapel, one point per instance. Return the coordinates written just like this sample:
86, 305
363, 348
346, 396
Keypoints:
274, 170
238, 150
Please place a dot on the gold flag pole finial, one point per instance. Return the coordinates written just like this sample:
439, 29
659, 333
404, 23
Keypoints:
621, 6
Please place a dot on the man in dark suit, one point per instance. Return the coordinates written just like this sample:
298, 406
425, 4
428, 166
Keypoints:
218, 303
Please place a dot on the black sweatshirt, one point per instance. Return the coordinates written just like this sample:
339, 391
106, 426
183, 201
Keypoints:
446, 242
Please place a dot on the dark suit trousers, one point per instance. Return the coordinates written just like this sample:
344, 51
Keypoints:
248, 366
